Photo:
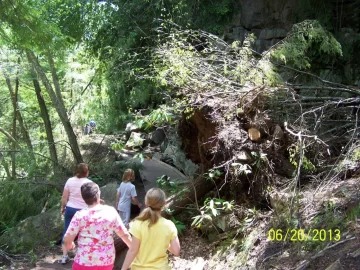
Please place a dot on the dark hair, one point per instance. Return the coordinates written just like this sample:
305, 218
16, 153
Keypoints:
155, 201
81, 170
90, 192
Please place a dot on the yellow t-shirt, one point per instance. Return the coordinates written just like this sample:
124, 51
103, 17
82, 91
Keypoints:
154, 242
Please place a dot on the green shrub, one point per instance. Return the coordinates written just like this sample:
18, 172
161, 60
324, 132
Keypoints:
21, 200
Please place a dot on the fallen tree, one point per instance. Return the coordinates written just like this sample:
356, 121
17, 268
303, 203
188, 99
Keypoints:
223, 91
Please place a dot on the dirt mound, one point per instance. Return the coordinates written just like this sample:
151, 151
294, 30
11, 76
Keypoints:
219, 134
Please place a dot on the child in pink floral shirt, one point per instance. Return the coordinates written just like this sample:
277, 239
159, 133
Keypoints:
94, 227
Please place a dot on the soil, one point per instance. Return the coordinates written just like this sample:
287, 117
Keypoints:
193, 247
197, 253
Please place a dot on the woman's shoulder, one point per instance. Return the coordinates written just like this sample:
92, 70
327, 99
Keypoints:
108, 208
70, 180
108, 211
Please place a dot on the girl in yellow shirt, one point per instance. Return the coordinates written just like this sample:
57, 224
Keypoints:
152, 235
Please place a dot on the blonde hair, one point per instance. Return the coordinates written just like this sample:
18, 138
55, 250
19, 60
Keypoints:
128, 175
155, 201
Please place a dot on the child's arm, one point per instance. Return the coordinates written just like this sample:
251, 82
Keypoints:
117, 200
136, 201
131, 254
126, 238
174, 246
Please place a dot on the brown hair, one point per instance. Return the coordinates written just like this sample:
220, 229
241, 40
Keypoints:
128, 175
90, 192
155, 201
81, 170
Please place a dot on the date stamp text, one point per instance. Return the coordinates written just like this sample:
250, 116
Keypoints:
301, 235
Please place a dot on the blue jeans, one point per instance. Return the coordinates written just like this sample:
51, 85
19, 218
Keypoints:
68, 215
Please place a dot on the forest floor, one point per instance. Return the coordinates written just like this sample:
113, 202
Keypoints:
197, 253
230, 251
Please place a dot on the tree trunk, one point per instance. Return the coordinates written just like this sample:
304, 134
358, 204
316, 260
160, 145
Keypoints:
197, 189
58, 104
14, 133
46, 118
6, 168
14, 101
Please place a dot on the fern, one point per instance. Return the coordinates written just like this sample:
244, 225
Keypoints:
307, 41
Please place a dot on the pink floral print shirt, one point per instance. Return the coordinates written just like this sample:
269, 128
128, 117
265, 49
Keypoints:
95, 227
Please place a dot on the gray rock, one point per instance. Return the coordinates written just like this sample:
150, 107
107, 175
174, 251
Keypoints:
180, 161
108, 193
121, 156
272, 33
278, 133
130, 127
239, 33
135, 140
40, 230
223, 222
158, 136
260, 13
243, 156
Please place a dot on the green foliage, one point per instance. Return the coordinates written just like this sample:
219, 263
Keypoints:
306, 42
351, 159
119, 145
330, 218
21, 200
212, 208
307, 165
212, 175
186, 61
140, 156
167, 185
214, 16
97, 179
179, 225
260, 160
353, 214
162, 116
33, 257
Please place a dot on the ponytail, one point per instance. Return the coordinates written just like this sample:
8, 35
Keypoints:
149, 214
155, 201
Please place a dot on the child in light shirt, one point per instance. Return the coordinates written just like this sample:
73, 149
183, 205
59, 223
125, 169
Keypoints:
125, 194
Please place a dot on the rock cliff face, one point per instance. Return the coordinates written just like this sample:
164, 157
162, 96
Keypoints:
270, 21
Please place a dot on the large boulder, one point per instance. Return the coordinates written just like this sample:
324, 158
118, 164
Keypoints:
40, 230
108, 193
180, 160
